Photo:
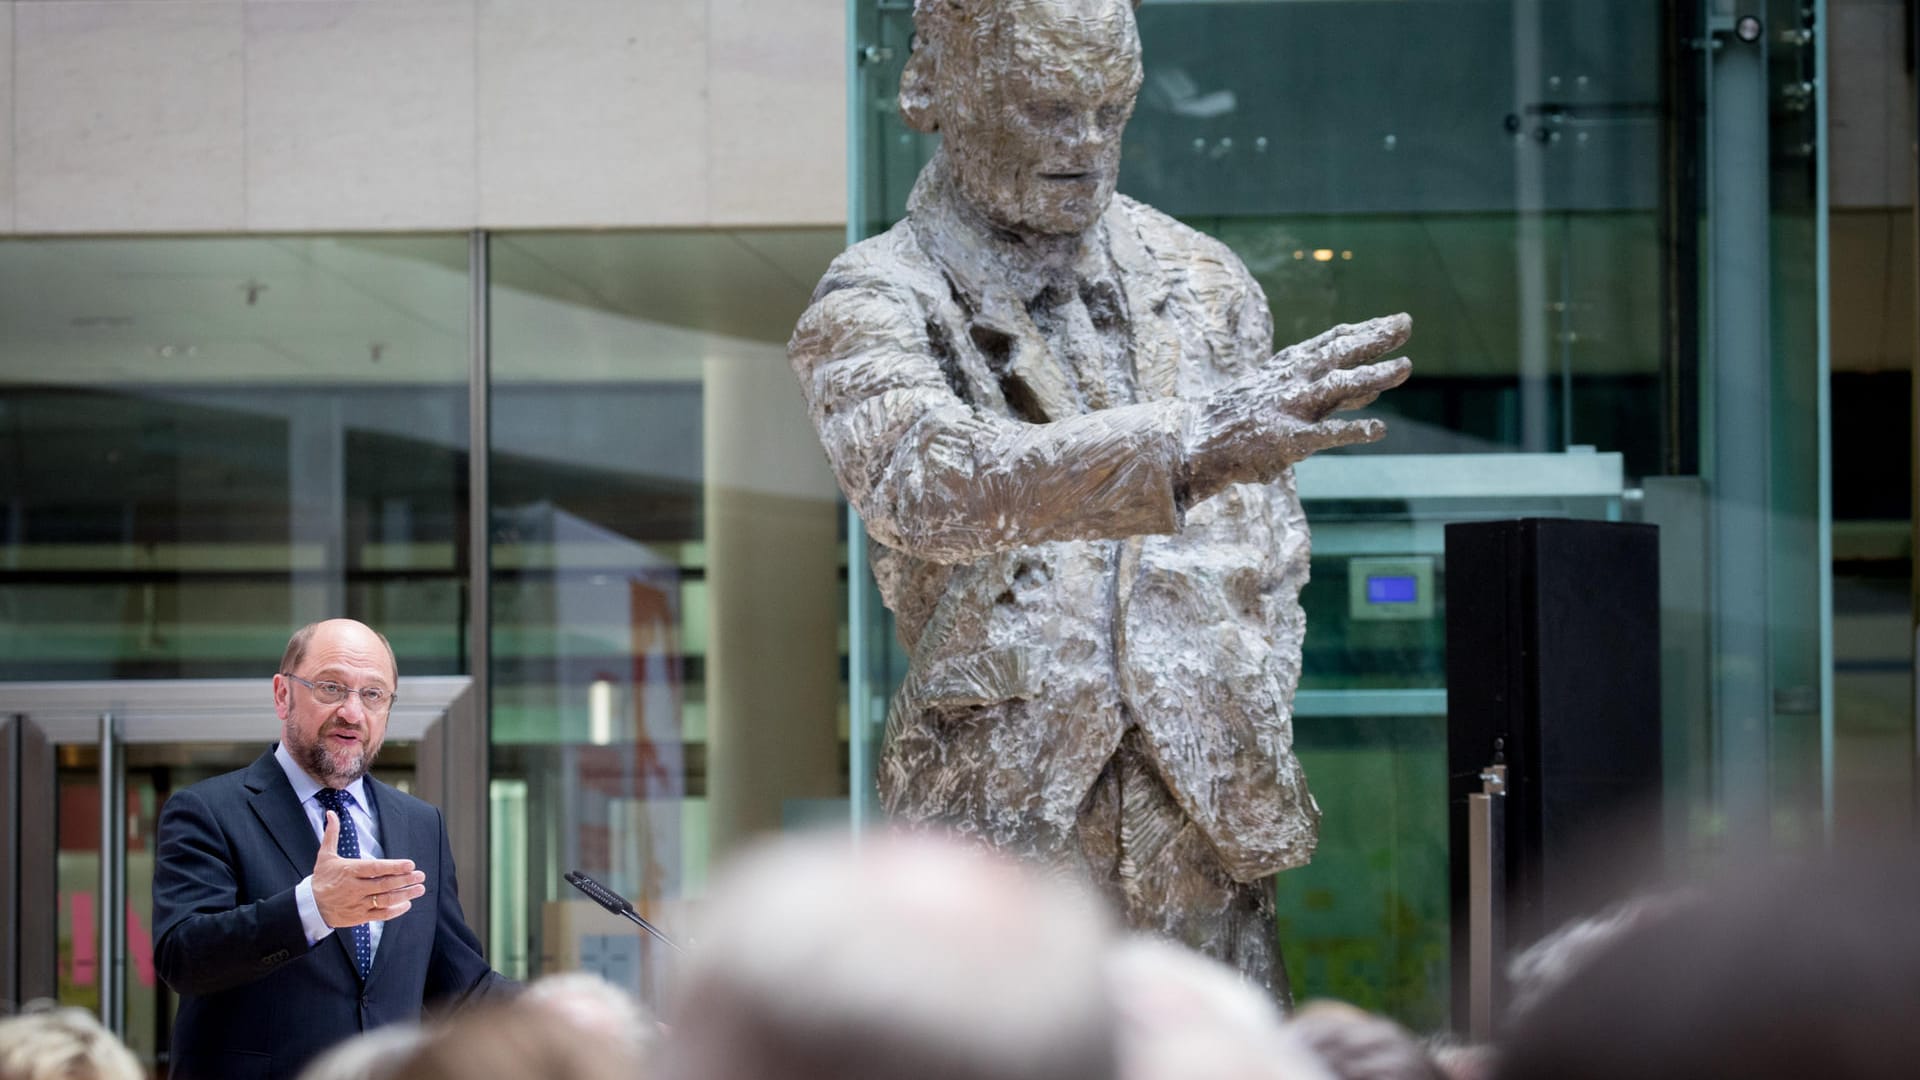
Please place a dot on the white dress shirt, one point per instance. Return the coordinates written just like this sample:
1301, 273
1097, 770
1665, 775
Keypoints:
305, 788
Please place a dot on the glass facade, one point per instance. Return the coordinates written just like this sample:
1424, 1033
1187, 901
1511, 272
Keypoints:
207, 442
668, 606
204, 443
211, 440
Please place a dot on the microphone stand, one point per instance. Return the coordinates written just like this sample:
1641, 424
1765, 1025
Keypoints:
617, 904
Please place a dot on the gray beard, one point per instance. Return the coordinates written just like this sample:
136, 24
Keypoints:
314, 757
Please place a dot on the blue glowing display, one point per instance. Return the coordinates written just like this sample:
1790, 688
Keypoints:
1393, 590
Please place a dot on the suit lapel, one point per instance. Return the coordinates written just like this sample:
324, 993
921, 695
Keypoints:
278, 808
1156, 354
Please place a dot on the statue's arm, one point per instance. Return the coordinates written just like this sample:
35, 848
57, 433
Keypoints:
934, 476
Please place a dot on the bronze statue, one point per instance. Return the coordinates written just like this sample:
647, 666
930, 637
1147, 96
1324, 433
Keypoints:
1058, 412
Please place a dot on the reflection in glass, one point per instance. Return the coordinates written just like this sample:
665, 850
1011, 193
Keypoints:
203, 444
667, 602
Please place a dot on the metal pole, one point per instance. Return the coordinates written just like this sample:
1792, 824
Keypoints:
468, 744
1487, 900
1913, 380
113, 880
1739, 381
12, 880
1823, 405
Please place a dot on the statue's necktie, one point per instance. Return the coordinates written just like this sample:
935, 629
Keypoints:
1089, 348
360, 937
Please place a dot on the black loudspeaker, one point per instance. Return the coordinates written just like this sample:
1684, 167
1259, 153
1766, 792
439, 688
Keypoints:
1553, 671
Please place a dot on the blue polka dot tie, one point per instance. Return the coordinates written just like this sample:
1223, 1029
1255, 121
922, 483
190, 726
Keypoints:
361, 937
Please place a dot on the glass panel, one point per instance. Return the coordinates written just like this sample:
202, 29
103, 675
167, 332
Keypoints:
1800, 748
1871, 259
668, 606
204, 443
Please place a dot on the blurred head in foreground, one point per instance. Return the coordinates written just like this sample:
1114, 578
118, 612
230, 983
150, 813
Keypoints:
1812, 971
597, 1009
1547, 964
518, 1041
374, 1055
1357, 1045
909, 957
1184, 1017
48, 1043
1464, 1061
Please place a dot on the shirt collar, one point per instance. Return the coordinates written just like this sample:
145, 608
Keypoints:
305, 787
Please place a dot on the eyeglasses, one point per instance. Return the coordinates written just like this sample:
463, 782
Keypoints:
377, 699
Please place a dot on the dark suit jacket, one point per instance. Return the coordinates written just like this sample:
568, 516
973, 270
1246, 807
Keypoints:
255, 1001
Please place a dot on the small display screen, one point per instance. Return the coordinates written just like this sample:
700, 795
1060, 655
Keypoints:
1396, 589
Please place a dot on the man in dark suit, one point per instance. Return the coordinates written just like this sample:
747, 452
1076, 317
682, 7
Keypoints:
299, 901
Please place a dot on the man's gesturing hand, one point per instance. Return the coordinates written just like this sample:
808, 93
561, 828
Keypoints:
354, 891
1281, 414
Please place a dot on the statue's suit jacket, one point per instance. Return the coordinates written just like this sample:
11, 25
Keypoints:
1050, 584
255, 1000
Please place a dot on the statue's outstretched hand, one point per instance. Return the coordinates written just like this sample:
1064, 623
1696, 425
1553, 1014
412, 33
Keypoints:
1283, 413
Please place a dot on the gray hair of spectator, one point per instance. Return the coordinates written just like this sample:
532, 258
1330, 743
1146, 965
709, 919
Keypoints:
375, 1055
1182, 1016
1463, 1061
518, 1041
1546, 964
905, 957
596, 1007
48, 1042
1357, 1045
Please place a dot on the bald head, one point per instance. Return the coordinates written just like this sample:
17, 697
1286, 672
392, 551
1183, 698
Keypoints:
351, 630
908, 959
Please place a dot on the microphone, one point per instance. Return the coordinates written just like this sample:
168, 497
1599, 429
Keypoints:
617, 904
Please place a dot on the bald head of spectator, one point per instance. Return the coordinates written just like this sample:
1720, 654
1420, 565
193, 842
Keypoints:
1184, 1017
49, 1043
516, 1041
372, 1055
907, 957
596, 1008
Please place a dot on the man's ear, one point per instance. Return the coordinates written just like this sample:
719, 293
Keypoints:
282, 696
916, 92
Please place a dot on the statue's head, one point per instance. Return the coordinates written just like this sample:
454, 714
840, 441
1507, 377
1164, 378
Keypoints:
1030, 97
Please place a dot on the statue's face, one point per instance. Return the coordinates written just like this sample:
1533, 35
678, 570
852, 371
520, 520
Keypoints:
1035, 139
